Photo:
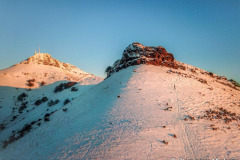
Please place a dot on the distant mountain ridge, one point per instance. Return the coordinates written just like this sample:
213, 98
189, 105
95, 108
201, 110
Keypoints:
46, 59
44, 69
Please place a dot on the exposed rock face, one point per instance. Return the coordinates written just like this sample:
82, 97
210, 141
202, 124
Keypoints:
136, 54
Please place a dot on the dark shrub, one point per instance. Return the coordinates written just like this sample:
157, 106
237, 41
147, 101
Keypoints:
14, 117
108, 70
25, 130
38, 102
69, 84
53, 102
192, 70
33, 122
64, 109
2, 127
59, 88
63, 86
74, 89
46, 119
30, 82
235, 83
11, 139
22, 96
210, 74
22, 107
47, 115
42, 83
44, 99
66, 101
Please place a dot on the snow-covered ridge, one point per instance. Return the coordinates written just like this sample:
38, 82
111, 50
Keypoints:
46, 59
42, 69
136, 54
141, 112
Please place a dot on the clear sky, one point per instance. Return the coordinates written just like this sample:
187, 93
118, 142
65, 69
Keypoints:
93, 34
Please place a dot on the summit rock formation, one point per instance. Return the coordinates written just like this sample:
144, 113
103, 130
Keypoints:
136, 54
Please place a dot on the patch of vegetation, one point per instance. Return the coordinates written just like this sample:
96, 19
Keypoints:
64, 86
64, 109
42, 83
20, 134
22, 96
192, 70
30, 82
165, 142
38, 102
2, 127
108, 71
44, 99
229, 85
210, 74
14, 117
234, 83
46, 119
53, 102
47, 115
74, 89
221, 113
22, 107
66, 101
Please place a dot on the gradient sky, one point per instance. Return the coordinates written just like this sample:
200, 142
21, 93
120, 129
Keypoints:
93, 34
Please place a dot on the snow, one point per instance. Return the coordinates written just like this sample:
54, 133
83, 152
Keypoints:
100, 125
41, 67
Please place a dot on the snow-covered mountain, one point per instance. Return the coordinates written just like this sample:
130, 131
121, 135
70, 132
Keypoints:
41, 69
145, 110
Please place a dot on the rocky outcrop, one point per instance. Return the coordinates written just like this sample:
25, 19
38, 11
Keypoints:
136, 54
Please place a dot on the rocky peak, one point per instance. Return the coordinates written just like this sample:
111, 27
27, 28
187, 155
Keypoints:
40, 58
136, 54
46, 59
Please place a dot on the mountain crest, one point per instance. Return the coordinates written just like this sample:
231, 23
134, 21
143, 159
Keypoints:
44, 69
46, 59
136, 54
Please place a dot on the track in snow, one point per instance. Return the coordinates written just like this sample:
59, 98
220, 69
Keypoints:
184, 132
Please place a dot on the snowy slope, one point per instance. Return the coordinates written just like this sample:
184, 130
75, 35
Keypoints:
134, 113
43, 68
15, 113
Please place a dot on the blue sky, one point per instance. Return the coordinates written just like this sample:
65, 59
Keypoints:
93, 34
